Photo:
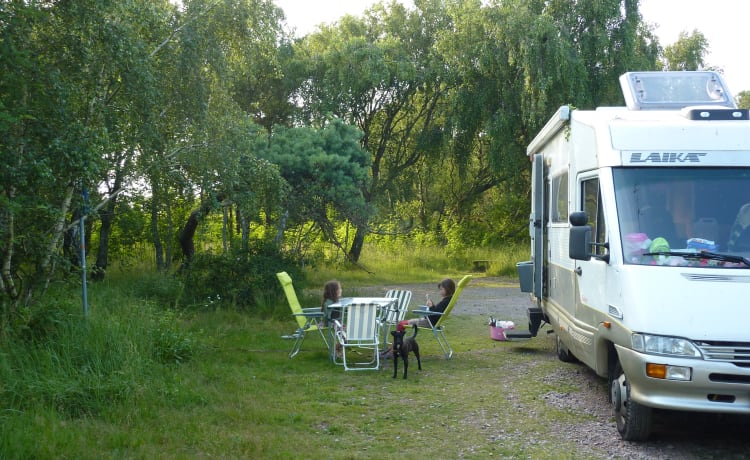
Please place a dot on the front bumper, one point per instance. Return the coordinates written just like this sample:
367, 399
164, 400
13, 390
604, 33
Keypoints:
714, 386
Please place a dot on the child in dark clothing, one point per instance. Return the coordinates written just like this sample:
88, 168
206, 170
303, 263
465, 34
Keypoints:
447, 288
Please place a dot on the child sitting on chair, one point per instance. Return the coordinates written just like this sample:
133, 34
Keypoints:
447, 288
331, 294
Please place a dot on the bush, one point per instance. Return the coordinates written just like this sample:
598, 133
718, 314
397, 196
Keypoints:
241, 278
171, 345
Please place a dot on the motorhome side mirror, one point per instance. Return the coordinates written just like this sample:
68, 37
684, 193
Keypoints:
579, 242
578, 218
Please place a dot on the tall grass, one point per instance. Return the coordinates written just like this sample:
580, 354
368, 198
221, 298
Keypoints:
59, 365
414, 263
139, 379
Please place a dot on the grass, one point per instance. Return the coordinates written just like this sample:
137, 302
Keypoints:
241, 397
218, 383
418, 264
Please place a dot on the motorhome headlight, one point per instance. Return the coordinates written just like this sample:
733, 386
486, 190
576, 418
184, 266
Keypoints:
664, 345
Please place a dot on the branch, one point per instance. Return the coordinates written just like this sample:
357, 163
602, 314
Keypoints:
76, 222
177, 30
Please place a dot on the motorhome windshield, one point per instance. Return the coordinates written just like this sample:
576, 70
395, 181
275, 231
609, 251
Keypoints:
663, 211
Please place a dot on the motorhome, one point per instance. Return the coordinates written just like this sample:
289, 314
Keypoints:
640, 238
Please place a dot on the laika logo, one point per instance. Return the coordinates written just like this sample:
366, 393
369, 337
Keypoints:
666, 157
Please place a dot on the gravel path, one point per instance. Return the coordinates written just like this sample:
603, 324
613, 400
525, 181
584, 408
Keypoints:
676, 435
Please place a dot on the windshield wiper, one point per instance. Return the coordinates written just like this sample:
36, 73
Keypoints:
703, 255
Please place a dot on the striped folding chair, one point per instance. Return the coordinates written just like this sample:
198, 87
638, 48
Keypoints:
360, 338
394, 313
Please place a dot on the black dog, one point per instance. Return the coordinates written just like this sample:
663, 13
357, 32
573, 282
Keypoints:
401, 347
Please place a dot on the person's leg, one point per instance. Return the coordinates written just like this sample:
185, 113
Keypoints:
420, 322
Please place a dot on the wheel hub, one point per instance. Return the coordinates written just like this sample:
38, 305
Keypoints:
618, 392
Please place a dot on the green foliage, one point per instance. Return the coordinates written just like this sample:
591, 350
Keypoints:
171, 344
241, 396
139, 282
387, 259
42, 323
326, 170
75, 373
405, 120
687, 53
79, 367
743, 99
240, 278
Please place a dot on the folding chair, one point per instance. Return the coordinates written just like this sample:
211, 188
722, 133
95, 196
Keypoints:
362, 334
307, 318
438, 329
395, 313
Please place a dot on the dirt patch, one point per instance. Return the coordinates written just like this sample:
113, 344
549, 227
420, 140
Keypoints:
500, 297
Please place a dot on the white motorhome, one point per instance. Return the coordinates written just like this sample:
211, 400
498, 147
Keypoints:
640, 238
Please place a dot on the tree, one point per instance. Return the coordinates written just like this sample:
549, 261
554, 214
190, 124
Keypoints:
687, 53
743, 100
71, 52
326, 170
219, 70
131, 89
381, 74
514, 64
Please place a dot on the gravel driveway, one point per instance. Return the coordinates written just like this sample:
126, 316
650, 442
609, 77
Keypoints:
676, 435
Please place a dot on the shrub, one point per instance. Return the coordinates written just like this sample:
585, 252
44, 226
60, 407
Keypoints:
240, 278
171, 345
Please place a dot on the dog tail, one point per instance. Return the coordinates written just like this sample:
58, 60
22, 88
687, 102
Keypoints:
415, 331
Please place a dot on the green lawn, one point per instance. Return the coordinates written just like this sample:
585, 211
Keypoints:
240, 396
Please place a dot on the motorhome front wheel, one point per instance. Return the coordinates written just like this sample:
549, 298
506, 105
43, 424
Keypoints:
633, 419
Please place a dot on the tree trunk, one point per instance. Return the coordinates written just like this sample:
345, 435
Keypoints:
244, 229
72, 241
169, 251
357, 243
188, 233
105, 230
8, 221
279, 238
225, 228
43, 274
155, 229
186, 236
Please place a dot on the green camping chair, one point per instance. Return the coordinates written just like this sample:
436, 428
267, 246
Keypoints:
438, 329
307, 318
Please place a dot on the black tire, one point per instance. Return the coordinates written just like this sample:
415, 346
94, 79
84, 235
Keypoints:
563, 354
634, 420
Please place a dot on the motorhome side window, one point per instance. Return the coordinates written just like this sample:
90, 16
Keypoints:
663, 211
559, 191
592, 204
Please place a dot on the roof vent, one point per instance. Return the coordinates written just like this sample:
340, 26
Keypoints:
675, 90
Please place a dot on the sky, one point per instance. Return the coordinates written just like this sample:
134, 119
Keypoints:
722, 22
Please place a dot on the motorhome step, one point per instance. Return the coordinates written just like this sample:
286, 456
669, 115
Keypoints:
514, 335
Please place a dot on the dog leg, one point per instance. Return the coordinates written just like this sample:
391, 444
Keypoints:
416, 353
395, 362
406, 362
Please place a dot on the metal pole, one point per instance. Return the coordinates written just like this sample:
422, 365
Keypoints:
82, 233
